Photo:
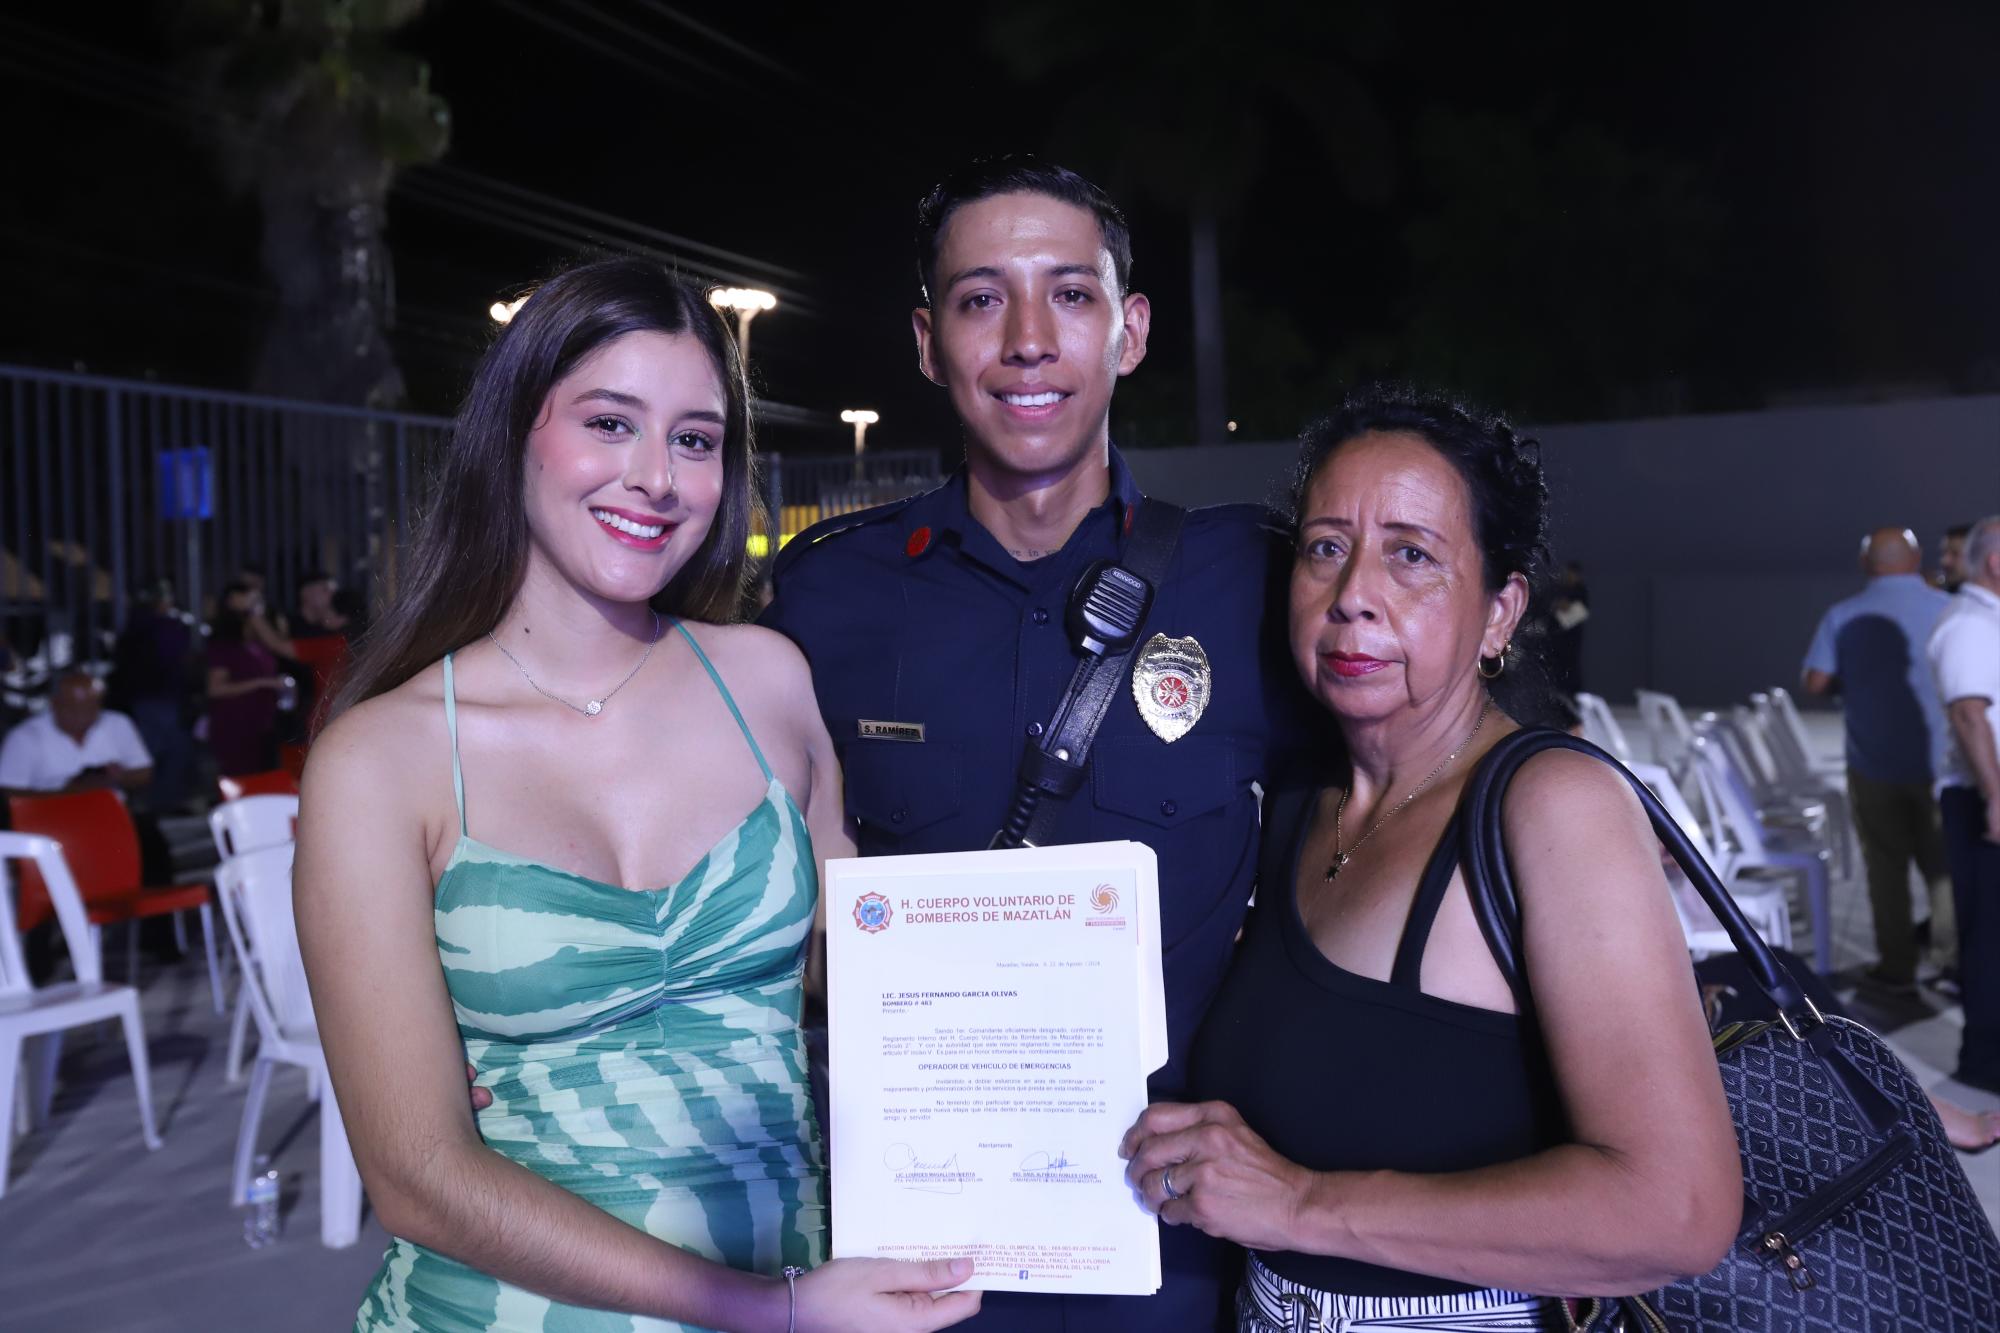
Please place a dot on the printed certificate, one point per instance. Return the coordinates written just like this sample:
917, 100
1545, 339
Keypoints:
992, 1017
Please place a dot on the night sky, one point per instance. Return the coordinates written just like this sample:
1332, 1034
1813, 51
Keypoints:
1706, 208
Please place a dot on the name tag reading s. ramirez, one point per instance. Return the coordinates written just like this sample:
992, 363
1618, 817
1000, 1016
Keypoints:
872, 730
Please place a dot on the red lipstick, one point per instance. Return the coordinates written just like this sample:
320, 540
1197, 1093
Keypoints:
1352, 664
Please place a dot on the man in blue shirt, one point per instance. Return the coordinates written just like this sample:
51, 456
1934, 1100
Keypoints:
934, 626
1869, 649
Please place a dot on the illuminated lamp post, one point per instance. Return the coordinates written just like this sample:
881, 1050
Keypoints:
748, 303
861, 419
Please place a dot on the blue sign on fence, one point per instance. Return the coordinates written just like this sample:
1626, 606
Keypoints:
187, 484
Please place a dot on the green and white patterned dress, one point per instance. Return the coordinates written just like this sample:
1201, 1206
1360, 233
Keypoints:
643, 1050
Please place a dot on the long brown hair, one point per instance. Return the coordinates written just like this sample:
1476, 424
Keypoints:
470, 551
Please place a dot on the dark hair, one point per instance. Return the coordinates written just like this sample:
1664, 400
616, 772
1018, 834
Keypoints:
310, 577
227, 627
1959, 530
1016, 173
1509, 500
471, 547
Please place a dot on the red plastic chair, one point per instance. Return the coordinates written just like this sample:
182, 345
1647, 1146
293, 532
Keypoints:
276, 782
101, 848
326, 658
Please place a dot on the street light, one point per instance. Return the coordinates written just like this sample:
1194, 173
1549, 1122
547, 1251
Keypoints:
748, 303
503, 311
861, 419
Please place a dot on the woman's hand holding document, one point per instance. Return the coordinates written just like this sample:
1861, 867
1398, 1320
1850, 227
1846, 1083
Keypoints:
992, 1018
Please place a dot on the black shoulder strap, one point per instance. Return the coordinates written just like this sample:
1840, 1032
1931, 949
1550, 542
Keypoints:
1489, 881
1156, 531
1431, 887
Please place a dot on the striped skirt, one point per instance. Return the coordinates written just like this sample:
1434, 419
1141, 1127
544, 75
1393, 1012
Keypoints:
1267, 1303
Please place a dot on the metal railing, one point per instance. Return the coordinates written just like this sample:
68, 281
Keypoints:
802, 490
108, 486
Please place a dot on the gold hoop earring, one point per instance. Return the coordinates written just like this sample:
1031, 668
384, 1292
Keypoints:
1499, 665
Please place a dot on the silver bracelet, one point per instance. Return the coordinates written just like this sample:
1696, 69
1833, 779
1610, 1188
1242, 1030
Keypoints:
792, 1275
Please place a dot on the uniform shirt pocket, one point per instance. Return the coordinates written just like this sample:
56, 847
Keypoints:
1144, 778
898, 787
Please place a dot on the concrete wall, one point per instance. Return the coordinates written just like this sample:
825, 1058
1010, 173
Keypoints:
1711, 544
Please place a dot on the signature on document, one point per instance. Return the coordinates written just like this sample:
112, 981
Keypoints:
927, 1176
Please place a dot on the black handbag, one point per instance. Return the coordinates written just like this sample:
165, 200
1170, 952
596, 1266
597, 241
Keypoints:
1857, 1217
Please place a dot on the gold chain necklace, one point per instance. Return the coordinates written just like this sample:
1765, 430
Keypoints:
1340, 858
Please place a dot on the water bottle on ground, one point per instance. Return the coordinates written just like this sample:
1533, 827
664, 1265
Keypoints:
260, 1226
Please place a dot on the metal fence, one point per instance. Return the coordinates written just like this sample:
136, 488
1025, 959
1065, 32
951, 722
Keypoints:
109, 486
801, 490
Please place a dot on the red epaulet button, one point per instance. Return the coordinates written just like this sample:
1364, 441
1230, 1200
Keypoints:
919, 542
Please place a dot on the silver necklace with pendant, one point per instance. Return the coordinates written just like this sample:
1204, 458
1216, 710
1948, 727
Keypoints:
595, 706
1341, 858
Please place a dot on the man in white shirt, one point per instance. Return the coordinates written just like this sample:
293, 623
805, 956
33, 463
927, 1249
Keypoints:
1965, 655
75, 746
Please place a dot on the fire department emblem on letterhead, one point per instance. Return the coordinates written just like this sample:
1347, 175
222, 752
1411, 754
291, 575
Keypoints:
1170, 683
872, 913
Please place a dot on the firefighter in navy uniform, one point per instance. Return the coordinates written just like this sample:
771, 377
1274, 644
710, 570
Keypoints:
935, 629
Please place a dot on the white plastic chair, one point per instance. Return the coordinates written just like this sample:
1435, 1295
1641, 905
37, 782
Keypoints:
250, 822
1752, 754
1801, 818
45, 1012
1667, 723
1601, 728
1763, 903
1793, 776
256, 893
1742, 739
1758, 846
1787, 711
244, 825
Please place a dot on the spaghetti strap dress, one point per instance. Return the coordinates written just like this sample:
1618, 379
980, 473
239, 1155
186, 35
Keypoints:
643, 1050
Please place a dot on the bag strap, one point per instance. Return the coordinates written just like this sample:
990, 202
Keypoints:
1156, 531
1489, 881
1055, 766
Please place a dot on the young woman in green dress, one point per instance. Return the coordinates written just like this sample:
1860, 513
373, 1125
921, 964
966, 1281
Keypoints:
565, 829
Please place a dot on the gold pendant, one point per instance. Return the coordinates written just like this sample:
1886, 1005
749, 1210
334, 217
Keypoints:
1170, 683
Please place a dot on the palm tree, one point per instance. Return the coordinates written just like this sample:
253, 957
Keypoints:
1178, 106
317, 113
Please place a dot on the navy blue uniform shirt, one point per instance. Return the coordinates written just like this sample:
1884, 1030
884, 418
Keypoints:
913, 613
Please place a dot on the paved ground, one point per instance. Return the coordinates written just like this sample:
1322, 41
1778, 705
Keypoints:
97, 1234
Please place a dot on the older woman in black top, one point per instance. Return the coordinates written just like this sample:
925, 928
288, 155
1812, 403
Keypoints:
1389, 1139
